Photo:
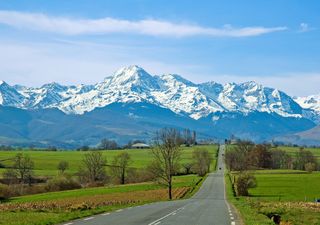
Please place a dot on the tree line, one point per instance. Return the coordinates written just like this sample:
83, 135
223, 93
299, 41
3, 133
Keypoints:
247, 156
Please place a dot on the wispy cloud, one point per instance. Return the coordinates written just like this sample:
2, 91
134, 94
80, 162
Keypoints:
304, 27
152, 27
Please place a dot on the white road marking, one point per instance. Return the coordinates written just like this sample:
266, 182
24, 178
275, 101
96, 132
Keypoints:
106, 214
158, 220
157, 223
233, 223
90, 218
231, 218
119, 210
68, 223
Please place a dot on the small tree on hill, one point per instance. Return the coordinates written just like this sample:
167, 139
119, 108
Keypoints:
63, 166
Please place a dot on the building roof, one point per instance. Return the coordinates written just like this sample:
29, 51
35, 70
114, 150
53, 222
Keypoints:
139, 145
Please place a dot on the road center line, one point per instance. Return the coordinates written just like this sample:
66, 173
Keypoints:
158, 220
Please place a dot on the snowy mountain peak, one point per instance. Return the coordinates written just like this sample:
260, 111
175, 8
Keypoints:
309, 102
171, 91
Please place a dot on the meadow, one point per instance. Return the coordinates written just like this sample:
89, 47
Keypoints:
46, 162
58, 207
287, 193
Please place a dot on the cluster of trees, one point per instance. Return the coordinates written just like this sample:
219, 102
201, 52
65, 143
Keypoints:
247, 156
189, 137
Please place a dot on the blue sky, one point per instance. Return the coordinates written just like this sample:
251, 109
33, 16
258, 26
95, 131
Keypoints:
274, 42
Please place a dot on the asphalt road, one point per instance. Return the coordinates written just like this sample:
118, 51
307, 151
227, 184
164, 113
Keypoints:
207, 207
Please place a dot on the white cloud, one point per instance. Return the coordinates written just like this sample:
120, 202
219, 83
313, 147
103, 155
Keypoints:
304, 27
71, 26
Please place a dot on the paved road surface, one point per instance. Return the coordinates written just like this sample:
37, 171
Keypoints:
207, 207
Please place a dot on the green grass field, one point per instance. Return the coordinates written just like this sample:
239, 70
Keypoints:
46, 162
287, 186
285, 192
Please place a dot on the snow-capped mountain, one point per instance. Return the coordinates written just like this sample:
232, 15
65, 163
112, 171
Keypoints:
133, 104
134, 84
310, 102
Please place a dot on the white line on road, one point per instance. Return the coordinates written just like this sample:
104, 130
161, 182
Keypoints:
68, 223
119, 210
106, 214
233, 223
157, 223
158, 220
231, 218
90, 218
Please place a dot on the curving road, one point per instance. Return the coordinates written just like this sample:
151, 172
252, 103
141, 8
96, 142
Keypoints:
207, 207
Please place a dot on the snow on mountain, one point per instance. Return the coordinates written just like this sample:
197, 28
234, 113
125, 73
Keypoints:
134, 84
9, 96
309, 102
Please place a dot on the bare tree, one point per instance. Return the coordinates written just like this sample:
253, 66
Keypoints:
120, 166
22, 168
202, 161
92, 168
166, 155
106, 144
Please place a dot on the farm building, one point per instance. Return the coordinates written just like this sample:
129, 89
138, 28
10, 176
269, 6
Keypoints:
140, 146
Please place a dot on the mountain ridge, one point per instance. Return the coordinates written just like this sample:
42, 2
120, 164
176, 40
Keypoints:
172, 91
133, 104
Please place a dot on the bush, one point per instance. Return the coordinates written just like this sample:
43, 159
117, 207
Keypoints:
61, 183
244, 182
139, 175
310, 167
5, 192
